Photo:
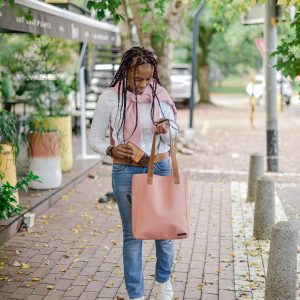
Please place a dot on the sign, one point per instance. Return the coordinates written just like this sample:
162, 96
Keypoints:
57, 23
256, 15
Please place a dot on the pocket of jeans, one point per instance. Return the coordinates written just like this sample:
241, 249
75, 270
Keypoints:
163, 166
119, 168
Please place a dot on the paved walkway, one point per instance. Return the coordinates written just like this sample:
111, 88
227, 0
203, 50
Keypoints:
75, 249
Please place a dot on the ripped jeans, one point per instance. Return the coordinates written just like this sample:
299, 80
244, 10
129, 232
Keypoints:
132, 248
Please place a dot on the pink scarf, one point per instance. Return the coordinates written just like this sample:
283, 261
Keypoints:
130, 117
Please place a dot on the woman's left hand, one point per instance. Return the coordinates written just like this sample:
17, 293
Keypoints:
162, 127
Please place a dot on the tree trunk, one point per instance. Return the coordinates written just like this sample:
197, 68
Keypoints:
203, 73
164, 49
125, 28
164, 57
144, 37
205, 37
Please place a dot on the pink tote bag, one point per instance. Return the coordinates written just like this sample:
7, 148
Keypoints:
160, 203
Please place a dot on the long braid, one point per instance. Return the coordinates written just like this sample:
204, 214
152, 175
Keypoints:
130, 60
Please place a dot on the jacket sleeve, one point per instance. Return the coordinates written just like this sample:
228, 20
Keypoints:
169, 114
100, 125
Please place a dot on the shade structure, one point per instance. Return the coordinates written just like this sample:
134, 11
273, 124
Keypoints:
58, 23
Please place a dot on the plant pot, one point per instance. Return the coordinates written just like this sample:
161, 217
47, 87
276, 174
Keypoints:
8, 166
64, 126
45, 159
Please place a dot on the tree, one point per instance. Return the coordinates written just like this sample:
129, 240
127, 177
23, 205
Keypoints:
288, 59
216, 17
158, 26
125, 27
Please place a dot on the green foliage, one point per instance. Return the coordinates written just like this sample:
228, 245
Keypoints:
8, 131
18, 10
36, 122
288, 52
156, 7
8, 202
106, 8
39, 82
6, 88
103, 6
224, 44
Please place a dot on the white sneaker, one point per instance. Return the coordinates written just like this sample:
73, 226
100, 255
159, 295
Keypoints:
165, 291
141, 298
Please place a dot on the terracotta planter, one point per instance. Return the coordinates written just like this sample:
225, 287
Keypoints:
8, 166
64, 126
45, 159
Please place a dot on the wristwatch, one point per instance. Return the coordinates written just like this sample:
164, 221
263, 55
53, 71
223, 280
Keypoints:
109, 150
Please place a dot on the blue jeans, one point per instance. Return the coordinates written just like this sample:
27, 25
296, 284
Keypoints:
132, 248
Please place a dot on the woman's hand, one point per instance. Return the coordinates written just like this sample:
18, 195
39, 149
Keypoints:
123, 151
162, 127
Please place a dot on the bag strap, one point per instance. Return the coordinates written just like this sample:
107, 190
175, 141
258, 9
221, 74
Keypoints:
173, 147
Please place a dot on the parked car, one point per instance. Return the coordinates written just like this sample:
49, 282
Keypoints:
181, 80
257, 89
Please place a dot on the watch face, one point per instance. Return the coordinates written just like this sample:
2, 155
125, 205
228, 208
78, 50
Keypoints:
109, 151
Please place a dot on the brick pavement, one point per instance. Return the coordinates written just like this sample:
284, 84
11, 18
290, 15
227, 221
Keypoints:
74, 249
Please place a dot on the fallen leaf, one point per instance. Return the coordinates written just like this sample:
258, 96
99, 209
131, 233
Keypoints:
252, 285
50, 287
25, 266
118, 273
16, 264
253, 253
200, 286
232, 254
110, 284
35, 279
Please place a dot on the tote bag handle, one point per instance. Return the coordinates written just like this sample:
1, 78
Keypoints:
173, 146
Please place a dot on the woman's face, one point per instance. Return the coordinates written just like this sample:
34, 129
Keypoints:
139, 78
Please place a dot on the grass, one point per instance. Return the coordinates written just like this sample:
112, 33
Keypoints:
230, 85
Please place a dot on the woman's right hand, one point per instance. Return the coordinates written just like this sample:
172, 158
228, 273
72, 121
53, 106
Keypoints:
123, 151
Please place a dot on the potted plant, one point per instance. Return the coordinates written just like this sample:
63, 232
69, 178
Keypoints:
9, 148
44, 152
8, 202
60, 119
41, 82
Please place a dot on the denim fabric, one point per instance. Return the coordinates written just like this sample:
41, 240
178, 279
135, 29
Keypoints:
132, 248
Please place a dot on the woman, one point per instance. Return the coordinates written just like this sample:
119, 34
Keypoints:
131, 108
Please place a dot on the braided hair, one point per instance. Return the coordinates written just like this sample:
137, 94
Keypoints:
131, 59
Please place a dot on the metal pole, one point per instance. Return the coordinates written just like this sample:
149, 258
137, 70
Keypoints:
82, 113
82, 96
270, 75
194, 59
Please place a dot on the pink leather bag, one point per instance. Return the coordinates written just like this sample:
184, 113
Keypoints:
160, 203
